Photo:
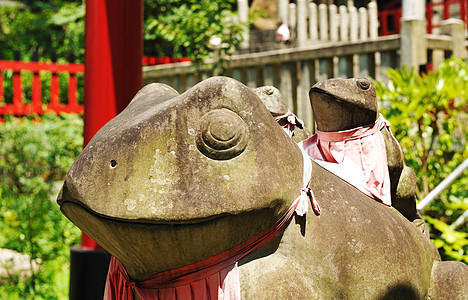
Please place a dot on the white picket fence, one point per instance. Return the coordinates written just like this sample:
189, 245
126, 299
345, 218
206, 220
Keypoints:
294, 70
310, 23
329, 23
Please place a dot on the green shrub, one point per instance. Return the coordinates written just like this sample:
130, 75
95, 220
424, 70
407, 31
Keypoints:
35, 155
429, 117
187, 26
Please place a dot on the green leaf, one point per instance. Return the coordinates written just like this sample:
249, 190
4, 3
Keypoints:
428, 116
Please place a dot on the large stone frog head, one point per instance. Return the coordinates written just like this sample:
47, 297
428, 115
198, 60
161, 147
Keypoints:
173, 177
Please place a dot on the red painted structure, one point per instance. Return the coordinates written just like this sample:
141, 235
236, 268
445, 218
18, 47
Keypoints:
389, 20
113, 59
389, 17
36, 105
155, 60
19, 105
430, 8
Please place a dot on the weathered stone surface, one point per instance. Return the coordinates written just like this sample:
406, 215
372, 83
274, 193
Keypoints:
15, 265
144, 190
356, 249
272, 99
341, 104
274, 102
445, 276
403, 182
145, 167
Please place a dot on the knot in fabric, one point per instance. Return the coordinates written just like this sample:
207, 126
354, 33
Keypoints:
306, 192
289, 121
130, 284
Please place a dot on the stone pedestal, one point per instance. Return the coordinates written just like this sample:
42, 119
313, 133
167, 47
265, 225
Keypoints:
456, 29
89, 273
413, 43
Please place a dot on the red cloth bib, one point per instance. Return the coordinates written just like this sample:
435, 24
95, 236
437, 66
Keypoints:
357, 155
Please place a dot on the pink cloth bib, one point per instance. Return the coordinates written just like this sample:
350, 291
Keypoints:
216, 277
357, 155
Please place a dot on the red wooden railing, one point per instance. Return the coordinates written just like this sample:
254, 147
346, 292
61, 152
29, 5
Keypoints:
20, 106
445, 12
154, 60
36, 104
390, 18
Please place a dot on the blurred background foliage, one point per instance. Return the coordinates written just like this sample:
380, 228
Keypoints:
35, 155
52, 29
429, 116
175, 28
183, 28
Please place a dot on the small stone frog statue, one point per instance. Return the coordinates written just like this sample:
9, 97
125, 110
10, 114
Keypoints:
274, 102
340, 105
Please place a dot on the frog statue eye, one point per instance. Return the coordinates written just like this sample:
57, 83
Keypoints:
222, 135
363, 83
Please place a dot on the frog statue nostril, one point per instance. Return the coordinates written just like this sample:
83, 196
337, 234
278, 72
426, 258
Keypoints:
113, 163
222, 135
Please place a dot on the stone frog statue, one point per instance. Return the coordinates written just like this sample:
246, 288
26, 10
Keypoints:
274, 102
340, 106
194, 195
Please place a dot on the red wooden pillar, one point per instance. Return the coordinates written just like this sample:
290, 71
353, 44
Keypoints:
464, 12
113, 75
114, 50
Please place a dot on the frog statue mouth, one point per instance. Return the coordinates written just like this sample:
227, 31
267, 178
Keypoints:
151, 248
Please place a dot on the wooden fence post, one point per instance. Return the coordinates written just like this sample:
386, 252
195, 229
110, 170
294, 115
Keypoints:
2, 93
54, 88
413, 9
373, 20
268, 75
286, 84
323, 21
283, 8
313, 28
301, 37
333, 23
344, 23
292, 20
353, 24
413, 43
456, 29
243, 9
36, 92
17, 87
304, 110
72, 88
363, 27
